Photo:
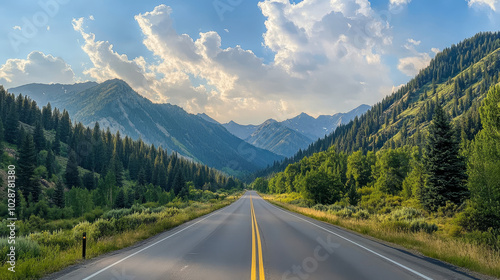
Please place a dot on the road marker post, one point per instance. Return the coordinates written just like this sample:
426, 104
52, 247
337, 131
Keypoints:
84, 244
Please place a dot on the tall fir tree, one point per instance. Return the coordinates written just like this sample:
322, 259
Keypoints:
12, 125
39, 137
50, 163
71, 174
27, 164
444, 165
59, 194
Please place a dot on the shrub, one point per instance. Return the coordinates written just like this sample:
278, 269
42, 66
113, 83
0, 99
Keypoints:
25, 249
361, 215
117, 213
320, 207
60, 238
90, 229
104, 227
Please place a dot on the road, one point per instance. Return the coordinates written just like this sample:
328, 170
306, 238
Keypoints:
253, 239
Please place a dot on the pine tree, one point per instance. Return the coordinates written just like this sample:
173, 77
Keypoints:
39, 137
71, 174
179, 182
12, 125
50, 163
56, 145
27, 164
120, 199
444, 166
59, 194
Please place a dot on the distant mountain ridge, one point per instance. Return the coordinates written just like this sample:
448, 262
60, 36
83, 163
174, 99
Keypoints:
289, 136
277, 138
116, 105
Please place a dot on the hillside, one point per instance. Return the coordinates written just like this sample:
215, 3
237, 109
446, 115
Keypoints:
277, 138
459, 76
115, 105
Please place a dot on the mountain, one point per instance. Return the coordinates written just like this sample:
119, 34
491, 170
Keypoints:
207, 118
116, 105
57, 94
239, 130
277, 138
458, 78
288, 137
315, 128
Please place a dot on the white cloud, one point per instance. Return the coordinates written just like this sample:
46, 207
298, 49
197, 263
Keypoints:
91, 17
435, 50
492, 4
48, 27
327, 59
410, 66
17, 27
393, 4
36, 68
414, 42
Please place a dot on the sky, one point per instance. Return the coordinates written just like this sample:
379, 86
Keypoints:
241, 60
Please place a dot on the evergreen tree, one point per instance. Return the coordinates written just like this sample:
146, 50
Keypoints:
444, 166
59, 194
120, 199
39, 137
12, 125
56, 145
50, 163
27, 164
179, 182
71, 174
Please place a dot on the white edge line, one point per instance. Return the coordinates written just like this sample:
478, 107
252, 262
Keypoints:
131, 255
359, 245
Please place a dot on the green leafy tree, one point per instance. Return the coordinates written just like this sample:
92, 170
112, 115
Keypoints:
444, 165
322, 187
392, 167
50, 163
12, 125
484, 167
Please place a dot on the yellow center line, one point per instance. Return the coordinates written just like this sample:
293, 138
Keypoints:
261, 262
254, 267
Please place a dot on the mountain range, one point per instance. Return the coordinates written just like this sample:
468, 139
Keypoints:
116, 105
288, 137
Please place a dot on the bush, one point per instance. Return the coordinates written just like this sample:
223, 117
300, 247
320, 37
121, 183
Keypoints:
361, 215
104, 227
117, 213
320, 207
90, 229
63, 239
405, 213
25, 249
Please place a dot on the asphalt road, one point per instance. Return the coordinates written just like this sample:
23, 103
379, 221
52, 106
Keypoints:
252, 239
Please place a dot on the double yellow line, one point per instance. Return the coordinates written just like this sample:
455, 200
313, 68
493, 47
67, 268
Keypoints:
255, 229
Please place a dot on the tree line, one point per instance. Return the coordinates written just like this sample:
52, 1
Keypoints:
61, 164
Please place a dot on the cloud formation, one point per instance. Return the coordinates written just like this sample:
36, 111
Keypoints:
492, 4
36, 68
326, 59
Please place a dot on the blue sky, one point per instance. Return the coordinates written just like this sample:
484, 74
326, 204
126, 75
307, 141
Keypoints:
237, 59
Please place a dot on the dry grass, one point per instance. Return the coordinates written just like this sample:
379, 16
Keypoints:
456, 251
